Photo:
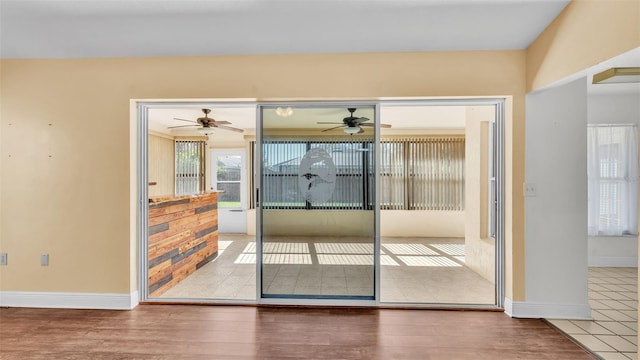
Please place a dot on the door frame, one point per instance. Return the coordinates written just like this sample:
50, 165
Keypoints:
243, 178
310, 301
139, 110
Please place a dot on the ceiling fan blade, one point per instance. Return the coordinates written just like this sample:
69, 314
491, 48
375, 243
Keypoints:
335, 127
386, 126
327, 122
181, 126
361, 119
221, 122
228, 128
191, 121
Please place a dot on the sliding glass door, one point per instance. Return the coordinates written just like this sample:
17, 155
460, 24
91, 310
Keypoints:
317, 202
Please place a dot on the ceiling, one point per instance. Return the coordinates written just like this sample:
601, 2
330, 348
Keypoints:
116, 28
403, 119
133, 28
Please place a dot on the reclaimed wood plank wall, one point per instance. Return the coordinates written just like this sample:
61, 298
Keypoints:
183, 236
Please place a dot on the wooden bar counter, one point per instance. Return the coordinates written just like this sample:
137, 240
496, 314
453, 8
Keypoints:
183, 236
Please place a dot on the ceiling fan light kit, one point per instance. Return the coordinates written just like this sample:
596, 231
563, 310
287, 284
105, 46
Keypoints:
284, 112
205, 130
352, 130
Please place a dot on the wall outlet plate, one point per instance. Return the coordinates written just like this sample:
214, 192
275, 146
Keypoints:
529, 189
3, 258
44, 260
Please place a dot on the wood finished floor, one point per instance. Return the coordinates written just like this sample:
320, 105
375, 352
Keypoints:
235, 332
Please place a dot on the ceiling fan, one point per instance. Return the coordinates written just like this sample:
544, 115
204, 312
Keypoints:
207, 124
352, 124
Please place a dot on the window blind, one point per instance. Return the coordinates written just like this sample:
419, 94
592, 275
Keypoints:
351, 176
425, 173
422, 173
190, 166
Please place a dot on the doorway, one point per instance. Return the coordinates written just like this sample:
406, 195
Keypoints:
317, 214
228, 178
352, 244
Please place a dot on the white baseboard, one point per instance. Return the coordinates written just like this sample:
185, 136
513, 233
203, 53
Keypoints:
613, 261
69, 300
523, 309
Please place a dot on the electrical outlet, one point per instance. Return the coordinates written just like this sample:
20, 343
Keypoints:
529, 189
44, 260
3, 258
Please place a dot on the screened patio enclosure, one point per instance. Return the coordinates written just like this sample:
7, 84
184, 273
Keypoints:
400, 210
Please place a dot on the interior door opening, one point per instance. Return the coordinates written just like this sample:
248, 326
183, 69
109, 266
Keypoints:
317, 213
228, 172
389, 227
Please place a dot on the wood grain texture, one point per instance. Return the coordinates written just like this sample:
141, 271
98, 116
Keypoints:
236, 332
183, 233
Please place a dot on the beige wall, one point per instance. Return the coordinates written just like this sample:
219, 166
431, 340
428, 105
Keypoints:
161, 165
338, 223
479, 247
586, 33
82, 195
417, 223
402, 223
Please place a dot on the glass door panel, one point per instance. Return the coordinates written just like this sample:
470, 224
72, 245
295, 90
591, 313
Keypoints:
317, 189
438, 203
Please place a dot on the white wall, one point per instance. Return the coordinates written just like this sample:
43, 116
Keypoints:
613, 108
556, 217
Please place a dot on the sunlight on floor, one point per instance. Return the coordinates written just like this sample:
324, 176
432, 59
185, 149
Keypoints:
427, 261
412, 271
354, 254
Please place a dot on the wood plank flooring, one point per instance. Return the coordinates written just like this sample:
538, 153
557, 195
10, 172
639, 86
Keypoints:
237, 332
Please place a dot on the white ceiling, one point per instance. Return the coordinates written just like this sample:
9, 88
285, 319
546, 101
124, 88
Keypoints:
117, 28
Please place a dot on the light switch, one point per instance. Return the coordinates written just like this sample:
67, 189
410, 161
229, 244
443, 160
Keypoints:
44, 260
3, 259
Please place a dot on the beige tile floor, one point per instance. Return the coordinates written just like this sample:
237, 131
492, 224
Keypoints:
413, 270
613, 332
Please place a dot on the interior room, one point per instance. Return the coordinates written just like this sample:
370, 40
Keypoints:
81, 80
423, 237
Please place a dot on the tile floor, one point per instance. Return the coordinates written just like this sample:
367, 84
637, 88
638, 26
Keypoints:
613, 332
415, 270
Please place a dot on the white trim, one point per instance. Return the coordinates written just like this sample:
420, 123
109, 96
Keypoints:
613, 261
523, 309
69, 300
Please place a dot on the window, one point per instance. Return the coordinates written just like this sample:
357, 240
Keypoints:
612, 179
415, 174
282, 178
228, 179
422, 173
190, 166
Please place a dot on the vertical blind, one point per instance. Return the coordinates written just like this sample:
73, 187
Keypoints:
352, 185
424, 173
190, 166
612, 170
